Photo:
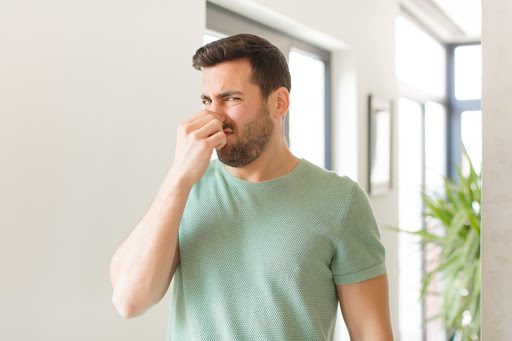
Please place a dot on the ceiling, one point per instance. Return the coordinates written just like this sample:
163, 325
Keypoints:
451, 21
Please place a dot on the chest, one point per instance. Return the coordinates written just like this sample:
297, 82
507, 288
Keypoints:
265, 239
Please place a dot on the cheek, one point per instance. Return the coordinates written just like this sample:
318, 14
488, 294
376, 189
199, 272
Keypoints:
237, 115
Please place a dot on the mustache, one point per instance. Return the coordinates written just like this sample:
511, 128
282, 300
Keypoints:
228, 126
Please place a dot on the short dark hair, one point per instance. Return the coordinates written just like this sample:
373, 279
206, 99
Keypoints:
269, 66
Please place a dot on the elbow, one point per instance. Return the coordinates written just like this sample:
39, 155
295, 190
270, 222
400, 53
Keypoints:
125, 311
126, 308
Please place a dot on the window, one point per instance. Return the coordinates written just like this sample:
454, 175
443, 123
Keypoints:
410, 150
435, 145
465, 93
471, 134
439, 110
468, 72
422, 124
307, 106
422, 164
307, 125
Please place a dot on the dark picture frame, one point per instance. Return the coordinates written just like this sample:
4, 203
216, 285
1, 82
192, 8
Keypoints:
380, 134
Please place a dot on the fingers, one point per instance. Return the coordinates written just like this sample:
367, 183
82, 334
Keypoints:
200, 120
195, 140
218, 140
200, 114
208, 129
205, 125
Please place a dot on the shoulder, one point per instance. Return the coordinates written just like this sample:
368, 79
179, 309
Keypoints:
327, 180
333, 193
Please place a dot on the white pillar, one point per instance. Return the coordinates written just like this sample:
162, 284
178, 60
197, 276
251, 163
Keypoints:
497, 171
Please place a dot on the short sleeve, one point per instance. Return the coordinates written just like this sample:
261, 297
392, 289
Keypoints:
358, 251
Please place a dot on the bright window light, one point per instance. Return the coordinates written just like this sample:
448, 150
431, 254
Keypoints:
420, 60
471, 133
468, 72
435, 169
410, 203
307, 107
435, 146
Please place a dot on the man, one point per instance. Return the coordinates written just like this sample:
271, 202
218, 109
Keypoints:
262, 244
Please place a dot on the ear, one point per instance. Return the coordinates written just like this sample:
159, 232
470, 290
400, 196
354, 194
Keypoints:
282, 101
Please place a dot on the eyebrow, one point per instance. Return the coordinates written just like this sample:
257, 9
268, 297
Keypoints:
224, 94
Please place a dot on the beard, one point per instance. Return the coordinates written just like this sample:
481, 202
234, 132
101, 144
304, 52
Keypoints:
252, 140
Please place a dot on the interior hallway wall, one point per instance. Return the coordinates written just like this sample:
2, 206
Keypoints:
90, 96
496, 170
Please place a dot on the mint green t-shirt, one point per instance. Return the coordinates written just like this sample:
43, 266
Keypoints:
260, 261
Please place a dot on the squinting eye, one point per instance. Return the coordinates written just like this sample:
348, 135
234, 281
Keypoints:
232, 98
206, 101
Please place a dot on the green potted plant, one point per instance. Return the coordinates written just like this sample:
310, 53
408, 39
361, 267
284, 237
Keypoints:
453, 226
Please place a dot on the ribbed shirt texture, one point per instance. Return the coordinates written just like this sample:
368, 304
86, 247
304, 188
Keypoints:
261, 261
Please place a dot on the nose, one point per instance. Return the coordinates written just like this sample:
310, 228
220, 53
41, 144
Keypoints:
221, 116
217, 109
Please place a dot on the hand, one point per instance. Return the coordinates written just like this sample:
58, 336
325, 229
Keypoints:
196, 138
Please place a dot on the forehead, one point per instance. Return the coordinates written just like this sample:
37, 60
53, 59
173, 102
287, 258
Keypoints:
231, 75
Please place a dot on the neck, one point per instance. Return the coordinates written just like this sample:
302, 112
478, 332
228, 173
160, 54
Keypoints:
276, 160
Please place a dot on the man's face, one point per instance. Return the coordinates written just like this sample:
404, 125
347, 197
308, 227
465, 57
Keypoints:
229, 92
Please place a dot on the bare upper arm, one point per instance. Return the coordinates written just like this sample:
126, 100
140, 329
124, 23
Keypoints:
365, 309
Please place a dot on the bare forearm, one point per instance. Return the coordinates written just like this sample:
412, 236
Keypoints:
143, 265
373, 332
365, 309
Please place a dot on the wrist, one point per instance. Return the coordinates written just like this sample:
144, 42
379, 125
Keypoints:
176, 184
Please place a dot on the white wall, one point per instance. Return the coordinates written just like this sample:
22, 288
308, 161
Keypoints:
496, 171
90, 94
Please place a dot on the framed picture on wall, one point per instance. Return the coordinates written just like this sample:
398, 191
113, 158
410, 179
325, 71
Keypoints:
379, 145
